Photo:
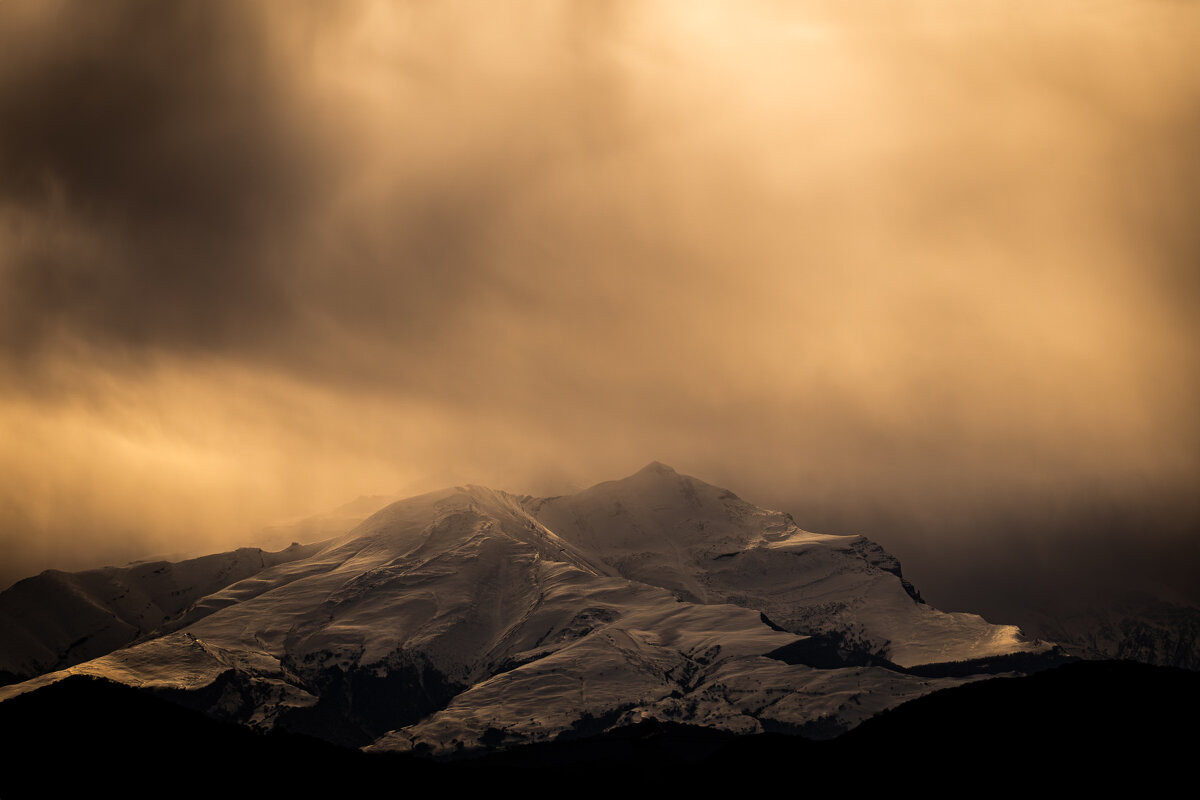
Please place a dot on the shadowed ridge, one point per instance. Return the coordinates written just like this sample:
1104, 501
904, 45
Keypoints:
1125, 717
58, 619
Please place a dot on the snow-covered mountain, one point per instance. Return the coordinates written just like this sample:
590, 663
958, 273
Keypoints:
472, 618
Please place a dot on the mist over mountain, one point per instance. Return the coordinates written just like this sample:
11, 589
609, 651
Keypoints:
923, 272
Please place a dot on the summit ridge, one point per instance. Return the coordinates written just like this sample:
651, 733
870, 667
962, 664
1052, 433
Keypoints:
471, 618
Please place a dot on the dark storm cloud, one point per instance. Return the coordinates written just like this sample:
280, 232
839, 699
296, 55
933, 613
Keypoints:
211, 176
898, 271
147, 152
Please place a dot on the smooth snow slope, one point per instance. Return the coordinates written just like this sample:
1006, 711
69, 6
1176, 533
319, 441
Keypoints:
472, 618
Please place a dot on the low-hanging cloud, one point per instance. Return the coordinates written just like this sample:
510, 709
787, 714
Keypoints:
924, 273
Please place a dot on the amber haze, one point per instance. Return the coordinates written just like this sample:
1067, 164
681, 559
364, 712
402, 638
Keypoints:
923, 271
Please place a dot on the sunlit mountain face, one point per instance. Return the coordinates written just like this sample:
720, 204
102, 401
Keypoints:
656, 624
922, 273
469, 618
469, 621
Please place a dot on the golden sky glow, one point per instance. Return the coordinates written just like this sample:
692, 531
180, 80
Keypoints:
938, 258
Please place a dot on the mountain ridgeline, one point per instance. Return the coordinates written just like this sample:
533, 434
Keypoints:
472, 620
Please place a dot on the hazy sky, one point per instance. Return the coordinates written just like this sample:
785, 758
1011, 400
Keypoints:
927, 270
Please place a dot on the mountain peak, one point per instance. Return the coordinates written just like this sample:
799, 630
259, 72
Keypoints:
657, 467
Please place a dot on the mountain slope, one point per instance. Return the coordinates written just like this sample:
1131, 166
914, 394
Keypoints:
57, 619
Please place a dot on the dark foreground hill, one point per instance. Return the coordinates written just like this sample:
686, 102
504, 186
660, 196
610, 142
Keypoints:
1085, 724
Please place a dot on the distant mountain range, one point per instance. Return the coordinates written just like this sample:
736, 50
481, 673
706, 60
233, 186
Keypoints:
1128, 627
